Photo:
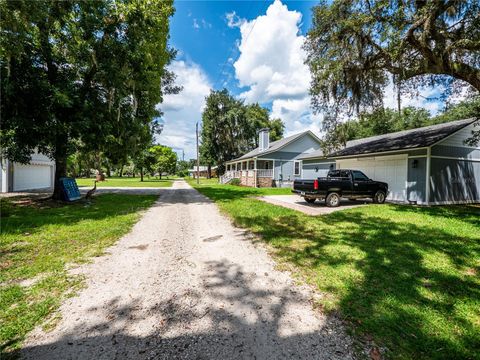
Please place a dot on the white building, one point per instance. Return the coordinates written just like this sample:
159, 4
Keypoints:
38, 174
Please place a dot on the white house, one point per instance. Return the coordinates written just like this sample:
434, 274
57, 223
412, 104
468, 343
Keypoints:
36, 175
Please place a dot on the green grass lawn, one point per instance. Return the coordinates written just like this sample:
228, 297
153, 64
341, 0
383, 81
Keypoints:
203, 181
233, 191
39, 239
407, 277
127, 182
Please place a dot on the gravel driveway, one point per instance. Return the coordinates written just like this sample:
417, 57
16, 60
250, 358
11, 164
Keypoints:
186, 284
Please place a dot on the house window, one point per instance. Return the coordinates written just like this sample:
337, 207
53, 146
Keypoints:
297, 168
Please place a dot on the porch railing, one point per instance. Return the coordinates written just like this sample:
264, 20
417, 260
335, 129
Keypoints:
265, 173
229, 175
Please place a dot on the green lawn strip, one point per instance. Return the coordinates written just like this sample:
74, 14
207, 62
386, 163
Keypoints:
37, 242
126, 182
407, 276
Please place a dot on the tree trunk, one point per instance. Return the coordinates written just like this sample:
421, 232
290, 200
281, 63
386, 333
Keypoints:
209, 171
141, 174
60, 169
121, 171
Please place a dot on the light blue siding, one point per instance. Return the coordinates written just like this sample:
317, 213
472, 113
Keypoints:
284, 170
416, 180
303, 145
281, 155
313, 170
455, 151
454, 180
458, 139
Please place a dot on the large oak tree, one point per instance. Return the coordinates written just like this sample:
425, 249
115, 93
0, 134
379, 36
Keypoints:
229, 128
91, 71
356, 46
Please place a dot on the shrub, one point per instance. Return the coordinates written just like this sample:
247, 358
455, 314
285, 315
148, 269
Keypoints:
235, 182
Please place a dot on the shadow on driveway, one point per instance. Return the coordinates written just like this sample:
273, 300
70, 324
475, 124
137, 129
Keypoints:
296, 202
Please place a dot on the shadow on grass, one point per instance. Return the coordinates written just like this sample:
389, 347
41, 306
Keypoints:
227, 317
413, 286
395, 280
30, 216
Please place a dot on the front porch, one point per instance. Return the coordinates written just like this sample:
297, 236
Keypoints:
251, 172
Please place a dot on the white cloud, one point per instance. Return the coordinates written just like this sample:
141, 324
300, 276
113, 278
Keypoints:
195, 24
271, 65
233, 20
183, 110
201, 24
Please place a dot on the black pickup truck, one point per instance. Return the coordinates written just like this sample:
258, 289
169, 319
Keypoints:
351, 184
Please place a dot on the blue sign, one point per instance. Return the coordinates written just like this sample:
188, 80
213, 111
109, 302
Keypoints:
70, 189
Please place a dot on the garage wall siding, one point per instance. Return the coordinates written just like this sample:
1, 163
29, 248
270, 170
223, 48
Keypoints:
454, 180
313, 170
416, 180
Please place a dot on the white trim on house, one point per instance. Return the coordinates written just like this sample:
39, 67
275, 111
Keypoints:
427, 176
455, 158
450, 202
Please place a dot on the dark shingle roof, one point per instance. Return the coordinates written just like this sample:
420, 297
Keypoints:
407, 139
274, 146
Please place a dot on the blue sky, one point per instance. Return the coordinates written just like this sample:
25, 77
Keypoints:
254, 49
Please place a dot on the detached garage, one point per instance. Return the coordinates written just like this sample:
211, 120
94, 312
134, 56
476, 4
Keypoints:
390, 169
406, 159
36, 175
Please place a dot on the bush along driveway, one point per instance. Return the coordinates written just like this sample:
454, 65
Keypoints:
38, 240
406, 277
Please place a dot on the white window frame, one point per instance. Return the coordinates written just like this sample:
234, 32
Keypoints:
299, 168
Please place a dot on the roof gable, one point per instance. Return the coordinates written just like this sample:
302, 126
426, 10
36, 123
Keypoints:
408, 139
277, 145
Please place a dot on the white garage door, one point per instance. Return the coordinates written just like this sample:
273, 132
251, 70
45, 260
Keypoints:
29, 177
389, 169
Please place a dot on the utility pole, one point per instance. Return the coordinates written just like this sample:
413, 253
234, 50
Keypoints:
198, 159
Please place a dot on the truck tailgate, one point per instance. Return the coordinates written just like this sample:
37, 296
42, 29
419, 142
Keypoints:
303, 185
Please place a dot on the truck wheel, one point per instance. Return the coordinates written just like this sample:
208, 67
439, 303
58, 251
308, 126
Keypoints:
310, 200
379, 197
333, 200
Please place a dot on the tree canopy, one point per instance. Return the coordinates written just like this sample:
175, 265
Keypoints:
229, 127
355, 47
383, 121
165, 159
91, 71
